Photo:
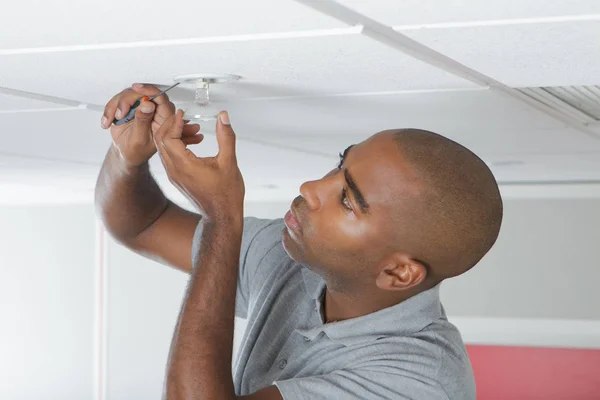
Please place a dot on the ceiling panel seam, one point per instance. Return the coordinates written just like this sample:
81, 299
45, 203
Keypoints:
352, 30
42, 97
361, 94
387, 35
6, 154
40, 110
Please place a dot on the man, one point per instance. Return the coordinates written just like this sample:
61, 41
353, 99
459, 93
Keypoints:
341, 296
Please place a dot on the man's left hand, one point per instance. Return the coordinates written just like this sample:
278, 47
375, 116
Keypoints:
213, 184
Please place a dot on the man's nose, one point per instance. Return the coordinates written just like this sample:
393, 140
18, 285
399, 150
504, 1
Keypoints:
309, 190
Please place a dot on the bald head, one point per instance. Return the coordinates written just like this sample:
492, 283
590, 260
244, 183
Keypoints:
455, 218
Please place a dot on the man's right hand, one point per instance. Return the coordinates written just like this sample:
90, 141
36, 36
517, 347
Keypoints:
134, 140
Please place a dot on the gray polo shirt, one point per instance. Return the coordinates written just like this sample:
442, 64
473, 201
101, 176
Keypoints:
407, 351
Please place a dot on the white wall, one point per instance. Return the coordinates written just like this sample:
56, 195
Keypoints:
545, 264
47, 302
541, 275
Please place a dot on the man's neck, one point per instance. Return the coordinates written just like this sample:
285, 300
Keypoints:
340, 306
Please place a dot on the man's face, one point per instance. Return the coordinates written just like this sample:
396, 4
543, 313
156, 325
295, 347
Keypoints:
347, 221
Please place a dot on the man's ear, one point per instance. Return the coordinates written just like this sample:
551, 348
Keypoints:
398, 271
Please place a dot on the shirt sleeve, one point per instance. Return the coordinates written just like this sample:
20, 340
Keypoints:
258, 238
355, 384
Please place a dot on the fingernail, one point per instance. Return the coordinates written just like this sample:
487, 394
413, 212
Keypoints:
137, 86
225, 118
104, 122
146, 107
118, 114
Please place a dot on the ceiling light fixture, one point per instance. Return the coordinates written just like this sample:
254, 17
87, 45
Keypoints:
201, 109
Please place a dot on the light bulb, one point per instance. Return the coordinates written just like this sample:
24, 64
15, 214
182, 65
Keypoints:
201, 109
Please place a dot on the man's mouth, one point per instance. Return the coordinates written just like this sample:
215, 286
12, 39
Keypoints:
292, 222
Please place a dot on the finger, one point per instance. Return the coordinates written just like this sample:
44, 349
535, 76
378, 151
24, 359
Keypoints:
225, 139
193, 139
142, 122
164, 107
160, 147
166, 162
164, 128
169, 139
128, 97
124, 104
190, 130
164, 111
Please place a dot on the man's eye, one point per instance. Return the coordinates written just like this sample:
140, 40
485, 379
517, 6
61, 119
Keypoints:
345, 201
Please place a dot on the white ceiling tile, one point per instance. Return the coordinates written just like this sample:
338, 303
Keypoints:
409, 12
15, 103
42, 23
553, 54
74, 136
312, 65
315, 118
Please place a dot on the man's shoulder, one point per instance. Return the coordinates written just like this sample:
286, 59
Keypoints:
433, 342
436, 352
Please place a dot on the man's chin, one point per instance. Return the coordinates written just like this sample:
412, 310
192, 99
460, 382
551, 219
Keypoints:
290, 246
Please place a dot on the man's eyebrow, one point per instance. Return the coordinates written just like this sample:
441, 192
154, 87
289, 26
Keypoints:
364, 206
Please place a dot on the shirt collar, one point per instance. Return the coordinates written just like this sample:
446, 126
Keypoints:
410, 316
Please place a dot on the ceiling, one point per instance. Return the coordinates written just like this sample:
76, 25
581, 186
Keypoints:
318, 75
